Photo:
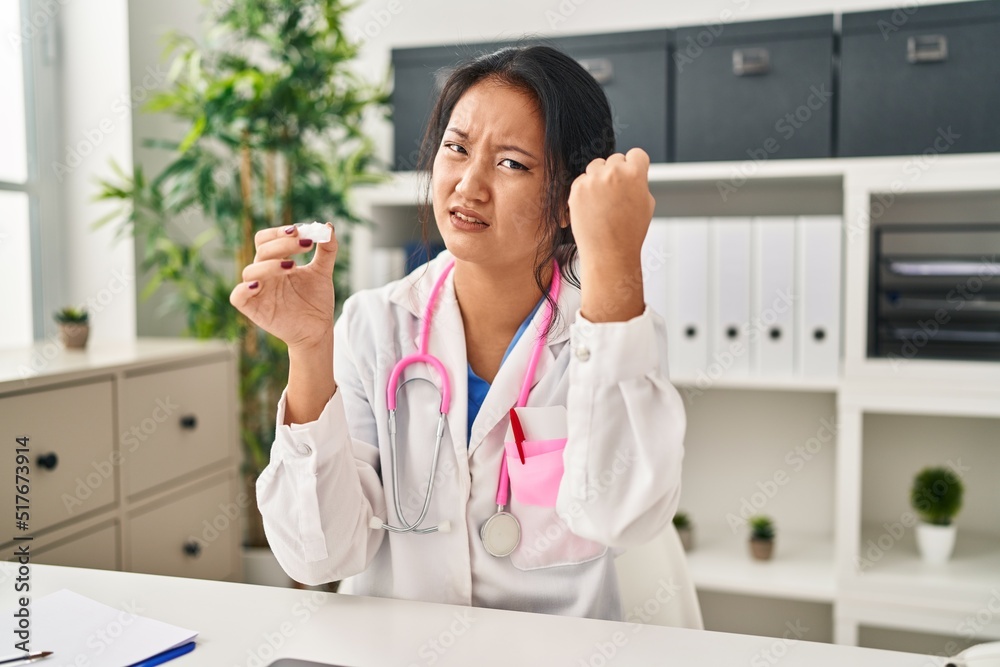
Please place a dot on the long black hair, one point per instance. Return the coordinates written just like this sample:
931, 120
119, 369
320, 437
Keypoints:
578, 129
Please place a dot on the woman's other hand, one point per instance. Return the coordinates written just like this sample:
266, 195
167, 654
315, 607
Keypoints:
610, 209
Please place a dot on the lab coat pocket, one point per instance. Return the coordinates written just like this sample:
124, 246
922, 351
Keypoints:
546, 540
536, 481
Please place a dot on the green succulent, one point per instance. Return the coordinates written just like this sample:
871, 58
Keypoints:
936, 495
71, 315
761, 528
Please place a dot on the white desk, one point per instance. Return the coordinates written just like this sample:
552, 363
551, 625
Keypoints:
241, 625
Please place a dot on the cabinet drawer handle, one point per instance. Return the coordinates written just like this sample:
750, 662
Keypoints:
192, 549
48, 461
189, 422
926, 49
600, 68
751, 62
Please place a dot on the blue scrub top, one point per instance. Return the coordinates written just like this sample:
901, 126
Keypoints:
478, 387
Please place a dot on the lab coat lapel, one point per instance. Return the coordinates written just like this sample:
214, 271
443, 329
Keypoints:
447, 343
447, 338
506, 385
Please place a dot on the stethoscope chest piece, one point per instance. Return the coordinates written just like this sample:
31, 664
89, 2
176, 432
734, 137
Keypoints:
501, 534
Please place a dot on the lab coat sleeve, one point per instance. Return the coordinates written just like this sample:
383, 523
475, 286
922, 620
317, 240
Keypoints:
322, 484
625, 439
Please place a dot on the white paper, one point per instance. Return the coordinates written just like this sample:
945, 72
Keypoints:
81, 631
319, 232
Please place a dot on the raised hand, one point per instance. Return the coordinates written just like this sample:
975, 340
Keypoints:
610, 208
293, 303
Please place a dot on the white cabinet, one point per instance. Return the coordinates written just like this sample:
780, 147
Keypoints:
70, 433
187, 534
131, 452
830, 450
98, 548
173, 424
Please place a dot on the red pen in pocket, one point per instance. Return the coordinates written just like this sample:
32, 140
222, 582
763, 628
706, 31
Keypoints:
515, 425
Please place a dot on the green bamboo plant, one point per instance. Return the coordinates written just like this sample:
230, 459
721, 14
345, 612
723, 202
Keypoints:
274, 116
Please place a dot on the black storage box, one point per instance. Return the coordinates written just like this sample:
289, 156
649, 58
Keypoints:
632, 67
921, 79
759, 90
935, 292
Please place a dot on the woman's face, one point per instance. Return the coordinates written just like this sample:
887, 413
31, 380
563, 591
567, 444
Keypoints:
490, 167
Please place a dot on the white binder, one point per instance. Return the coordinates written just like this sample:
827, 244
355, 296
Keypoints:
656, 265
819, 288
772, 325
729, 348
687, 284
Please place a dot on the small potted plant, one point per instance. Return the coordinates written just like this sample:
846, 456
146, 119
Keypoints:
682, 522
74, 326
761, 537
936, 496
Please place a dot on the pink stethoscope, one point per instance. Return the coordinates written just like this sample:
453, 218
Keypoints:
501, 533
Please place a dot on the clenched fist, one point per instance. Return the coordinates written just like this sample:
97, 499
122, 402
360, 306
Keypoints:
610, 207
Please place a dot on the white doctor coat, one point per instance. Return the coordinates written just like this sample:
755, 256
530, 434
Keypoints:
326, 479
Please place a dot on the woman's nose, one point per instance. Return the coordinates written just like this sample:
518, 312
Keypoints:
474, 183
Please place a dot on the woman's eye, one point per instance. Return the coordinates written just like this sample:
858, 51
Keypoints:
455, 148
514, 165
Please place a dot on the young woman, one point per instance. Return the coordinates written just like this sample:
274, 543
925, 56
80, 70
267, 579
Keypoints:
537, 305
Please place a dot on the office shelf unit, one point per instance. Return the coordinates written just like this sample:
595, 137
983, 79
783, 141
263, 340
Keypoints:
133, 455
832, 503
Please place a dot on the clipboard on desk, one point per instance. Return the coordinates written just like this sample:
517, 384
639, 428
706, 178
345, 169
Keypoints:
72, 627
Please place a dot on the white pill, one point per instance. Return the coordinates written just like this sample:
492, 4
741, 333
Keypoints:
317, 231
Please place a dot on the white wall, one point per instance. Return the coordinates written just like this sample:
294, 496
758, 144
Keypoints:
95, 127
148, 22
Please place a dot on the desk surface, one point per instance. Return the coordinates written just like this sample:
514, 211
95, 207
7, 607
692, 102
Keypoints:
242, 625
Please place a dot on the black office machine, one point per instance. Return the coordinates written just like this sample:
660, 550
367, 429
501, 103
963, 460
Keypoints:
935, 292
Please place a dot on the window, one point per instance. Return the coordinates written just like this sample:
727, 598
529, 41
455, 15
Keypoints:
26, 29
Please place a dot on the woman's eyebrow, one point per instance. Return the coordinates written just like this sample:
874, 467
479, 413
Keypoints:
503, 147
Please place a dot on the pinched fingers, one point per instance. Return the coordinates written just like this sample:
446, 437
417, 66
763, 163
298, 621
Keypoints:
271, 268
256, 277
271, 233
282, 248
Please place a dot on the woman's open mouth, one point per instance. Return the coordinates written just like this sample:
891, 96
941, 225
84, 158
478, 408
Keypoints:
467, 223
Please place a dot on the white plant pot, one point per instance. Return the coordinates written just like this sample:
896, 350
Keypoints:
262, 568
935, 542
